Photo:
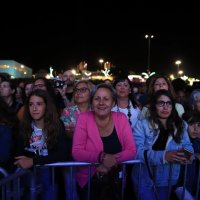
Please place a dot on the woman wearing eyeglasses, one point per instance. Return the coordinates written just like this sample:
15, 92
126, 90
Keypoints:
160, 139
69, 116
81, 95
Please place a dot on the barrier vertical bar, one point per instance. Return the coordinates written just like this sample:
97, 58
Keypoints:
71, 181
89, 181
123, 179
32, 185
184, 183
198, 182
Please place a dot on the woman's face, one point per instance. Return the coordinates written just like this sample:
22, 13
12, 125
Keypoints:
163, 107
102, 102
123, 88
37, 108
159, 84
5, 89
81, 93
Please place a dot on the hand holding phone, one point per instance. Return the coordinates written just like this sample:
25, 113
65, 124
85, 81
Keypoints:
188, 153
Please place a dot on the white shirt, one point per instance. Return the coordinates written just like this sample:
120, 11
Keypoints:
134, 113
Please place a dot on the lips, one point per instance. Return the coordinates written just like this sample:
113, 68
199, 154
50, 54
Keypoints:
101, 108
35, 113
165, 113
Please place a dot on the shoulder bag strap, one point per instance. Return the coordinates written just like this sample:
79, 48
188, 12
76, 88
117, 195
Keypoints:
147, 164
150, 173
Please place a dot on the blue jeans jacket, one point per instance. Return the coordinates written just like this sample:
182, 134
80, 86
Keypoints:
165, 174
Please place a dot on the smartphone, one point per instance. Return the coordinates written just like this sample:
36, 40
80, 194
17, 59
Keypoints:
187, 153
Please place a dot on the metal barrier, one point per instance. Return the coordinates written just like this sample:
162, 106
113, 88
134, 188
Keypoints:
3, 172
11, 187
73, 165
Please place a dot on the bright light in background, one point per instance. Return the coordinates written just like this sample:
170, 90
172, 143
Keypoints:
178, 62
48, 76
101, 61
22, 66
149, 36
73, 71
180, 72
172, 77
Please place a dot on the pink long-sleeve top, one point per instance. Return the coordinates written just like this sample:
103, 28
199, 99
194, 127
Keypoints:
87, 143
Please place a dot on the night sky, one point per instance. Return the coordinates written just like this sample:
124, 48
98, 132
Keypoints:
61, 36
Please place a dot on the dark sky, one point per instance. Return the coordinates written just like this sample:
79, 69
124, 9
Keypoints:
62, 36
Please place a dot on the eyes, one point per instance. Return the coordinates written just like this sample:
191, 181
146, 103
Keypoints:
122, 84
100, 98
160, 84
81, 90
163, 103
31, 104
195, 124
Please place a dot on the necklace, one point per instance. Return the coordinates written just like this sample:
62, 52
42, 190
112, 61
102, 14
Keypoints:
129, 112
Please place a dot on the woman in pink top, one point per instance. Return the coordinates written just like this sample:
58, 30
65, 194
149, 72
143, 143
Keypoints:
101, 136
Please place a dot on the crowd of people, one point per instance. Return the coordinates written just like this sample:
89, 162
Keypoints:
45, 121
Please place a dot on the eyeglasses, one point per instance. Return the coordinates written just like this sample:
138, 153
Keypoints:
81, 90
163, 103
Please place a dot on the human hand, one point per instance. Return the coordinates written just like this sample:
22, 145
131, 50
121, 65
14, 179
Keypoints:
23, 162
109, 161
176, 156
69, 128
101, 169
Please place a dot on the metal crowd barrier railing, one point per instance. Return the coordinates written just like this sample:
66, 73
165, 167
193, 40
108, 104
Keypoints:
11, 186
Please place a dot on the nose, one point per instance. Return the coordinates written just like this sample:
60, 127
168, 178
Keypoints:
161, 85
34, 107
165, 106
101, 101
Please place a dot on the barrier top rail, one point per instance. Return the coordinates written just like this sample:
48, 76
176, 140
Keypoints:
75, 163
3, 172
14, 176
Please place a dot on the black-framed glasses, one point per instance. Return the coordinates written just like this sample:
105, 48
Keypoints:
81, 90
163, 103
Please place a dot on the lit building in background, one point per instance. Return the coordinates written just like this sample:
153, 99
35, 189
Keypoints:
15, 69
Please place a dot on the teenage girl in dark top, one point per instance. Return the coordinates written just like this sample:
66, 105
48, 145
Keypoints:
42, 138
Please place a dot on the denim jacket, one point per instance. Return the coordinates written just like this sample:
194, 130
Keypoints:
145, 134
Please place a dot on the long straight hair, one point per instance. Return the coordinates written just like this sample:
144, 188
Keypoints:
173, 121
52, 123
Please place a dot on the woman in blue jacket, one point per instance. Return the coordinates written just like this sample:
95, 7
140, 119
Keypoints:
160, 138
